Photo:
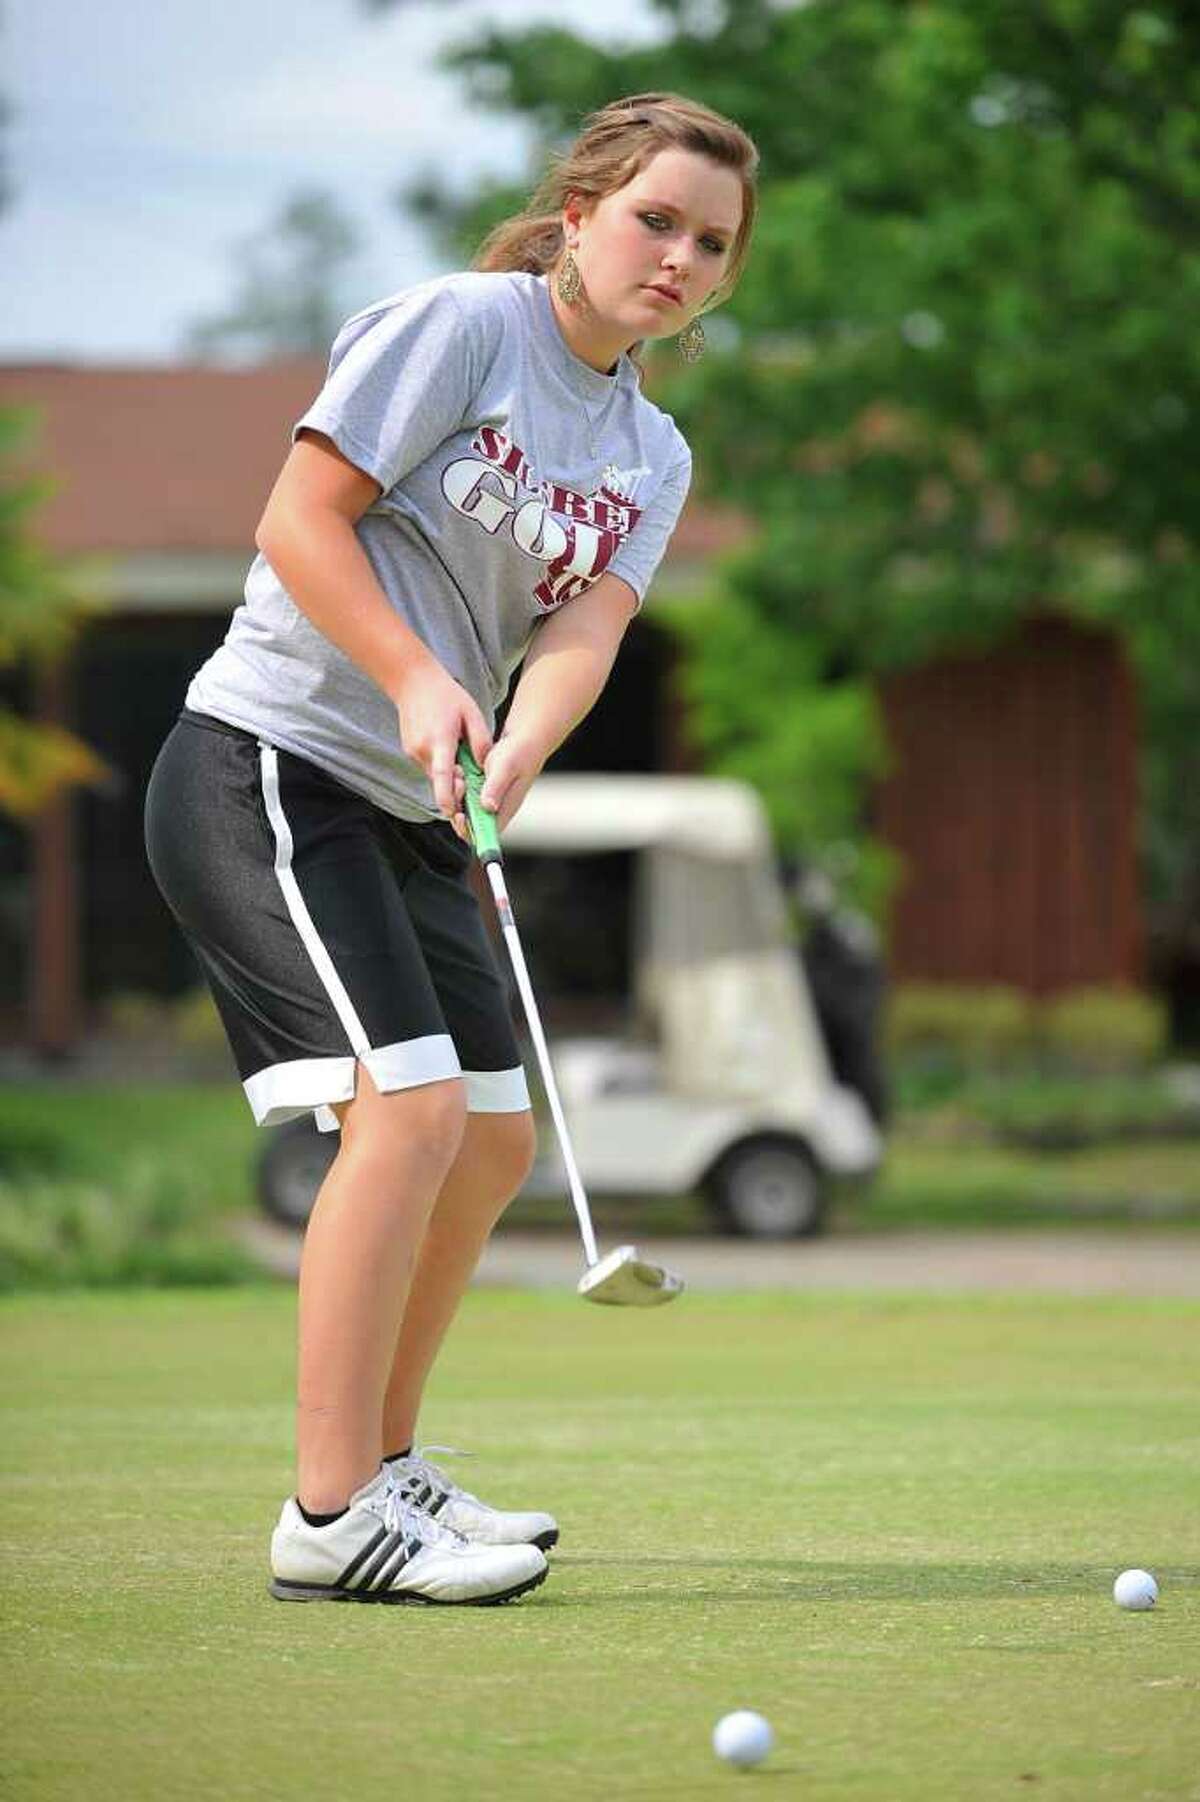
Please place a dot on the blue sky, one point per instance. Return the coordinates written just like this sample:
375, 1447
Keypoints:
148, 140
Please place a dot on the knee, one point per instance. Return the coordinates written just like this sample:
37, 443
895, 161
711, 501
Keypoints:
512, 1147
441, 1111
423, 1125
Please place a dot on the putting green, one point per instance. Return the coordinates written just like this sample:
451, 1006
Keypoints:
889, 1524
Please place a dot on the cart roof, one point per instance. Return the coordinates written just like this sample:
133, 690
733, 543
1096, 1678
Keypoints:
709, 816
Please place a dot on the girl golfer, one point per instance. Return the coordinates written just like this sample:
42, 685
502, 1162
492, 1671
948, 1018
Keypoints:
479, 486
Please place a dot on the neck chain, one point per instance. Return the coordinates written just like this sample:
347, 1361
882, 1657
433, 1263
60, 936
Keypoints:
593, 425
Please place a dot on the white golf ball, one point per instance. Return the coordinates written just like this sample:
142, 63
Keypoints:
1135, 1589
742, 1738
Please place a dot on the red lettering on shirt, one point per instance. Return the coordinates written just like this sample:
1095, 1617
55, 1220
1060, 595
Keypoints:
595, 525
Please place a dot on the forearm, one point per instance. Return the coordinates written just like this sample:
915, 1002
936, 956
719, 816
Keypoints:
317, 556
561, 680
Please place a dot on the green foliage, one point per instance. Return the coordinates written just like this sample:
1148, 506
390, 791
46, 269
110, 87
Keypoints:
1104, 1029
37, 761
980, 1028
987, 1181
965, 374
1060, 1113
90, 1133
129, 1185
42, 605
197, 1022
42, 600
152, 1228
132, 1015
183, 1023
759, 715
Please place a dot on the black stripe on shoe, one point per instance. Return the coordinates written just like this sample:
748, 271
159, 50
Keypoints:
343, 1582
396, 1542
407, 1550
418, 1493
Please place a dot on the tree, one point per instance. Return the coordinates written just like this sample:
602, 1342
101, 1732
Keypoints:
288, 301
965, 373
41, 607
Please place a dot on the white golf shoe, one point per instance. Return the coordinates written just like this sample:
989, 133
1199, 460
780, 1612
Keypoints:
383, 1549
431, 1490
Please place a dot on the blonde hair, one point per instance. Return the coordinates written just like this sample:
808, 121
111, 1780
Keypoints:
613, 147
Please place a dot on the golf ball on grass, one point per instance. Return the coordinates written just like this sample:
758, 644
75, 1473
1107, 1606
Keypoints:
742, 1738
1135, 1589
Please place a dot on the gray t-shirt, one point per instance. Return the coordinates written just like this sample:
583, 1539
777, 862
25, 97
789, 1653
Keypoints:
462, 398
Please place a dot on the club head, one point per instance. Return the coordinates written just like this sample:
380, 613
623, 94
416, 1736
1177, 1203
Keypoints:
624, 1280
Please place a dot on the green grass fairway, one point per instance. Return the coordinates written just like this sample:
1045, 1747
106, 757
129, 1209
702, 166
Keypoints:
890, 1524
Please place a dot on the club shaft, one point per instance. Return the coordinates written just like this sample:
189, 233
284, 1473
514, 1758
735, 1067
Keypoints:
509, 929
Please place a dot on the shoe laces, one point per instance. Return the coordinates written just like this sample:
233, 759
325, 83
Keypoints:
401, 1514
420, 1475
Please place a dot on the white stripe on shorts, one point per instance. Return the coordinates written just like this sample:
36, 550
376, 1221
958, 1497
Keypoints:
496, 1091
285, 1091
301, 918
413, 1061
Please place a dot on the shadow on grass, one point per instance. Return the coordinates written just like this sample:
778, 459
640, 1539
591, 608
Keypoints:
784, 1579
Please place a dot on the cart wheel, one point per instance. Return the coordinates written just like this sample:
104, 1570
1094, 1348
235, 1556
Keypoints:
768, 1188
292, 1168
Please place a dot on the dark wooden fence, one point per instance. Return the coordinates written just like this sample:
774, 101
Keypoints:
1013, 803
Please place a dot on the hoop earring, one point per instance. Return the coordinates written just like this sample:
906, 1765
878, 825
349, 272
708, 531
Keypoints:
570, 282
692, 342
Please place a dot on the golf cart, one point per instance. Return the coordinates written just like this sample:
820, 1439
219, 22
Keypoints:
721, 1083
718, 1079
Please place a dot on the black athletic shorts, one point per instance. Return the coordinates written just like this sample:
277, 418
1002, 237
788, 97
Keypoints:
331, 933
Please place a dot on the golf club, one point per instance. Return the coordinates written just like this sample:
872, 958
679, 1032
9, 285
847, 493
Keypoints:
622, 1278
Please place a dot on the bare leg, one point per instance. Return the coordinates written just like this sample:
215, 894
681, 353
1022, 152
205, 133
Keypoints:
492, 1163
357, 1264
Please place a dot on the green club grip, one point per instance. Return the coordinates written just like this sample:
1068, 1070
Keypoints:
485, 833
